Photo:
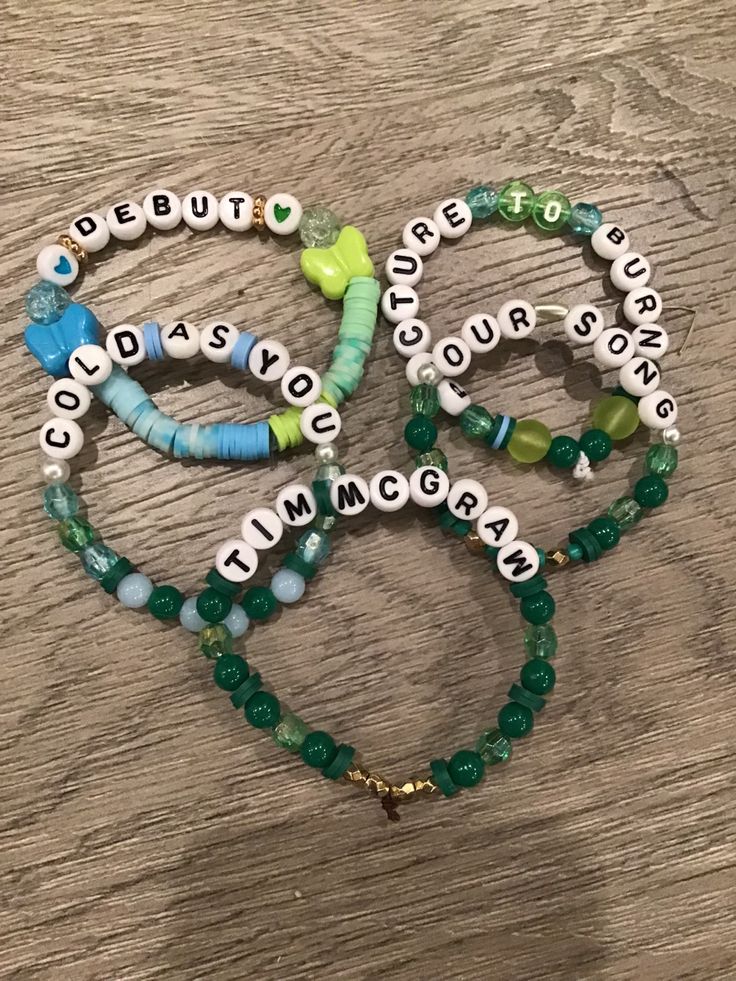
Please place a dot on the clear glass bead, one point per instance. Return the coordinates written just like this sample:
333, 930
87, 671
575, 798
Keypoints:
432, 458
476, 421
625, 511
45, 302
60, 501
97, 559
493, 747
313, 546
290, 733
661, 459
424, 400
319, 227
325, 522
584, 218
540, 640
482, 201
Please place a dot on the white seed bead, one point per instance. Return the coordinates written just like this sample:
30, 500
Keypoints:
200, 210
497, 526
389, 490
404, 266
326, 453
296, 505
217, 340
452, 356
629, 271
57, 265
90, 364
642, 306
421, 235
651, 341
639, 377
453, 217
68, 399
268, 360
429, 486
126, 220
429, 374
180, 339
613, 348
125, 344
262, 528
55, 471
399, 303
412, 337
672, 436
518, 561
61, 439
517, 319
162, 209
91, 231
609, 241
584, 323
282, 213
481, 333
467, 499
236, 560
658, 410
413, 365
349, 494
301, 386
235, 211
453, 398
320, 423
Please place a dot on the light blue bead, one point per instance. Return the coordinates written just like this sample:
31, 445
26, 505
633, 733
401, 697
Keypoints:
45, 302
97, 559
51, 344
584, 218
287, 586
152, 341
60, 502
241, 352
189, 618
236, 621
134, 590
313, 546
482, 201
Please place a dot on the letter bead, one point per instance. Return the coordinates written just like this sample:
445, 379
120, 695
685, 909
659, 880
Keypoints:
126, 220
399, 303
517, 319
453, 398
642, 306
349, 494
609, 241
651, 341
518, 561
404, 266
61, 439
180, 339
90, 364
301, 386
421, 235
658, 410
236, 560
412, 337
126, 345
320, 423
467, 499
497, 526
235, 211
629, 271
453, 217
268, 360
639, 377
481, 333
413, 365
200, 210
91, 231
613, 348
389, 490
429, 486
162, 209
262, 528
584, 323
68, 399
57, 265
217, 340
283, 213
296, 505
452, 356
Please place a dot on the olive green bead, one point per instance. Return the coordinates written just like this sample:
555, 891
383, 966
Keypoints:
537, 609
318, 749
540, 640
625, 512
650, 491
476, 421
538, 676
420, 433
617, 416
606, 532
215, 639
661, 459
530, 441
493, 747
515, 202
466, 768
165, 602
563, 452
259, 603
596, 444
515, 720
550, 211
263, 710
231, 670
75, 534
212, 605
424, 400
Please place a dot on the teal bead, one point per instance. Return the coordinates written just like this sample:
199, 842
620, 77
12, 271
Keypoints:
537, 609
606, 532
318, 749
318, 228
575, 552
661, 459
46, 302
538, 676
584, 218
76, 533
340, 762
625, 512
328, 472
540, 640
263, 710
432, 458
231, 670
420, 433
60, 501
476, 421
482, 201
424, 400
466, 768
515, 721
212, 605
563, 452
97, 560
650, 491
313, 546
325, 522
441, 777
519, 694
493, 747
596, 444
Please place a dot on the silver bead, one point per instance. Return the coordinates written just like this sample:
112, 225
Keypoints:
326, 453
429, 374
55, 471
672, 436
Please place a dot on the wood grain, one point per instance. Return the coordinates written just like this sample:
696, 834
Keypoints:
146, 832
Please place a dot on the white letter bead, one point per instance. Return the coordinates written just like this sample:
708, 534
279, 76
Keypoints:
301, 386
642, 306
236, 560
125, 344
236, 211
68, 399
268, 360
262, 528
349, 494
421, 235
453, 217
404, 266
90, 364
453, 398
639, 377
452, 356
629, 271
429, 486
217, 340
399, 303
609, 241
180, 339
61, 439
200, 210
320, 423
658, 410
467, 499
481, 333
517, 319
389, 490
613, 348
57, 265
126, 220
651, 341
283, 213
413, 365
162, 209
296, 505
584, 323
91, 231
412, 337
518, 561
497, 526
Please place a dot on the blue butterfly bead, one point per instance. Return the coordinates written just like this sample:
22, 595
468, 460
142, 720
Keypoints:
52, 344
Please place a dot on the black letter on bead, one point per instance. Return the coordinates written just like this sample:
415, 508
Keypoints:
618, 343
479, 336
266, 360
126, 343
85, 225
429, 481
460, 392
236, 202
122, 213
517, 559
88, 371
233, 559
396, 300
161, 204
410, 263
454, 219
467, 500
300, 385
616, 235
457, 355
586, 323
646, 303
417, 335
651, 337
348, 495
383, 483
517, 316
263, 530
422, 231
202, 210
498, 527
647, 370
630, 268
327, 426
299, 507
51, 442
219, 333
665, 407
67, 400
179, 331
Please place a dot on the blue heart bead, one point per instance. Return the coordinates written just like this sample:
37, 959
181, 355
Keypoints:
63, 267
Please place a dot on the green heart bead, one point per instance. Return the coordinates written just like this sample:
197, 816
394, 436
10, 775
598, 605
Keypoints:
281, 213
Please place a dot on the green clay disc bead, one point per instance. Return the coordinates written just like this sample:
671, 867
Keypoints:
650, 491
441, 776
263, 710
420, 433
466, 768
551, 211
515, 202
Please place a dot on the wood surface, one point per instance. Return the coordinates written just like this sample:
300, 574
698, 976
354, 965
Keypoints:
145, 830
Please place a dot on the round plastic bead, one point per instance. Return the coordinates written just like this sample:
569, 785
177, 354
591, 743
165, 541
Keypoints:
658, 410
200, 210
540, 640
236, 621
584, 218
421, 235
453, 217
320, 423
466, 768
452, 356
606, 532
420, 433
584, 323
530, 441
399, 302
90, 231
261, 529
515, 720
287, 586
46, 302
551, 211
189, 618
61, 439
596, 444
389, 490
126, 344
259, 603
629, 271
613, 348
126, 220
412, 337
301, 386
642, 306
467, 499
55, 471
230, 671
162, 209
617, 416
661, 459
609, 241
516, 319
282, 213
515, 202
497, 526
318, 228
639, 377
318, 749
518, 561
481, 333
404, 266
133, 591
263, 710
563, 452
537, 609
180, 340
57, 265
165, 602
482, 201
429, 486
217, 341
213, 606
60, 501
650, 340
538, 676
650, 491
90, 364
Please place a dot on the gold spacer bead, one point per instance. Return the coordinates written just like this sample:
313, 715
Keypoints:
557, 557
78, 251
473, 542
259, 212
377, 785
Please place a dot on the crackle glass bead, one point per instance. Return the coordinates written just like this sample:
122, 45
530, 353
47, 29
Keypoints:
76, 533
45, 302
215, 639
325, 522
661, 459
493, 747
313, 546
540, 640
516, 200
290, 733
482, 201
551, 211
97, 559
329, 471
432, 458
318, 228
625, 512
584, 218
425, 400
60, 501
476, 421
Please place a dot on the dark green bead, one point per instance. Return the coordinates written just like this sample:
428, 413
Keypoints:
75, 534
212, 605
538, 676
563, 452
432, 458
263, 710
575, 552
420, 433
342, 760
297, 564
529, 587
424, 400
515, 720
259, 603
221, 584
588, 545
517, 693
318, 749
441, 776
230, 672
620, 390
113, 577
605, 531
650, 491
165, 602
476, 421
596, 444
242, 695
537, 609
466, 768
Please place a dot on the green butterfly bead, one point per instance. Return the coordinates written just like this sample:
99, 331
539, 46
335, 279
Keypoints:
332, 269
